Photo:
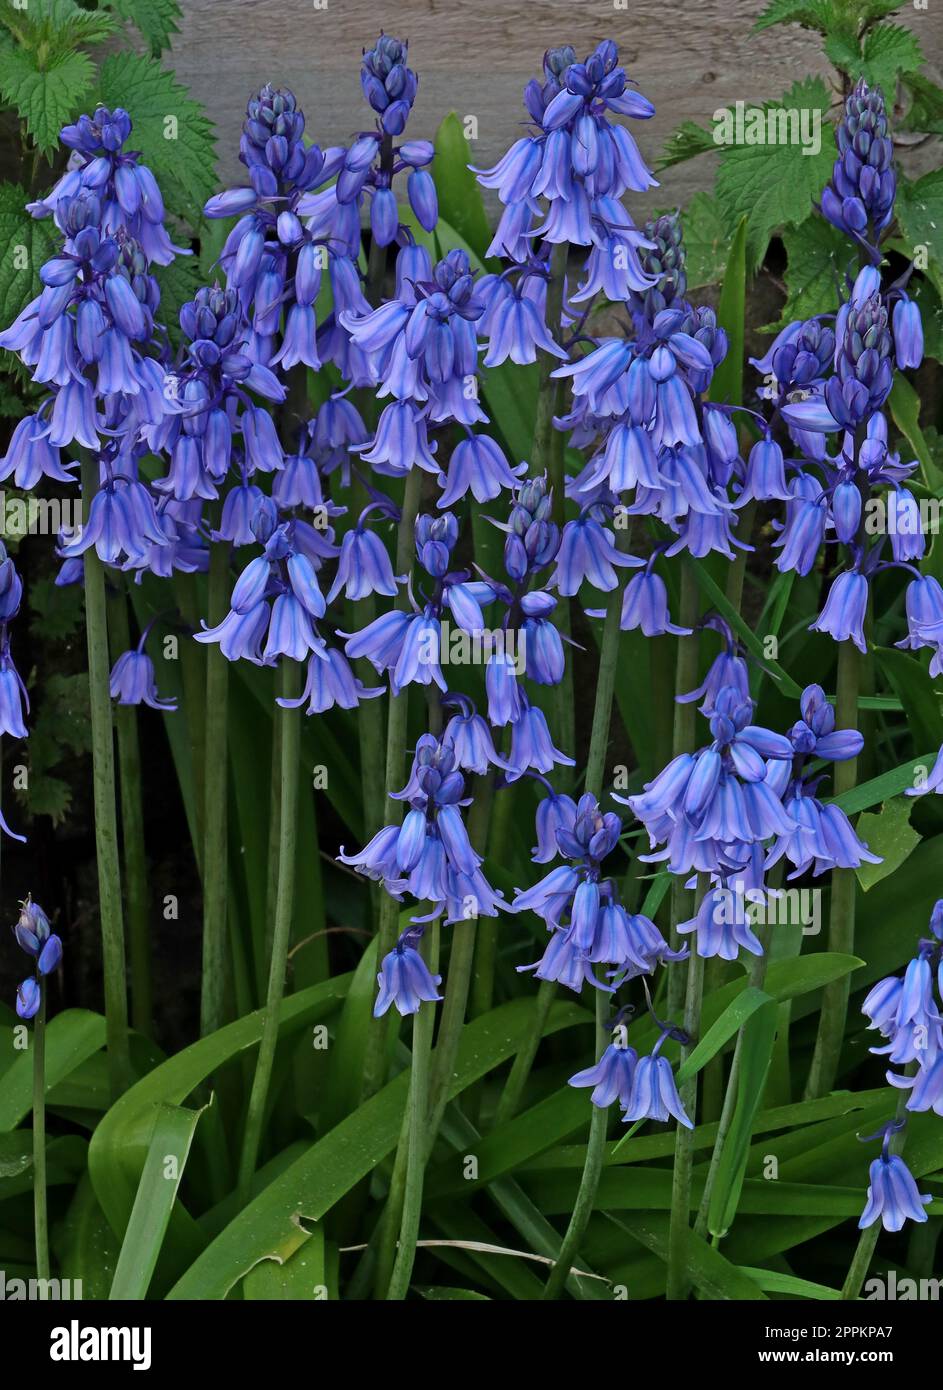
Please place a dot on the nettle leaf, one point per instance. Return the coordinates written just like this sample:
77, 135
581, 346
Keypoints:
170, 129
706, 241
25, 244
811, 14
54, 28
888, 51
44, 92
827, 16
155, 20
775, 185
688, 141
926, 105
886, 832
920, 216
818, 257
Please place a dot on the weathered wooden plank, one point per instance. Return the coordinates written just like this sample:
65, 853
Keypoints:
475, 58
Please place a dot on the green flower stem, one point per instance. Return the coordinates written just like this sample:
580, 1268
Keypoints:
106, 818
678, 1282
683, 741
216, 804
387, 1230
193, 676
290, 758
756, 974
592, 1168
395, 776
39, 1138
510, 1101
132, 830
455, 1001
841, 923
486, 952
595, 768
423, 1027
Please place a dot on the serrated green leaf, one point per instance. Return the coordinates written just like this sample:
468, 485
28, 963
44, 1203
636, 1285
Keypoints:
25, 244
817, 257
50, 29
45, 98
170, 129
848, 17
775, 185
920, 217
926, 105
155, 20
706, 239
687, 142
887, 51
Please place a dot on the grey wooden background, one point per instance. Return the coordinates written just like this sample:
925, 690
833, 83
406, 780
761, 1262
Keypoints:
475, 58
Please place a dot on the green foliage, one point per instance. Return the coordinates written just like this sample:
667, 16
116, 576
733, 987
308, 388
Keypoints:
775, 186
155, 20
25, 243
706, 240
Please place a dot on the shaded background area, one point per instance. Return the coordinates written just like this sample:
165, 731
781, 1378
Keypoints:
476, 58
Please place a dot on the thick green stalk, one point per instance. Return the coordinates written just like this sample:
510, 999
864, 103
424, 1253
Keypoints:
395, 777
193, 675
284, 907
510, 1101
132, 831
215, 850
678, 1282
40, 1219
595, 768
455, 1000
423, 1028
592, 1168
756, 974
841, 922
486, 951
106, 818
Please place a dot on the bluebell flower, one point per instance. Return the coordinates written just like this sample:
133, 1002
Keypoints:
893, 1197
477, 465
531, 744
363, 566
611, 1077
28, 998
555, 811
133, 681
859, 199
588, 551
329, 681
721, 924
654, 1095
845, 608
908, 333
405, 980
